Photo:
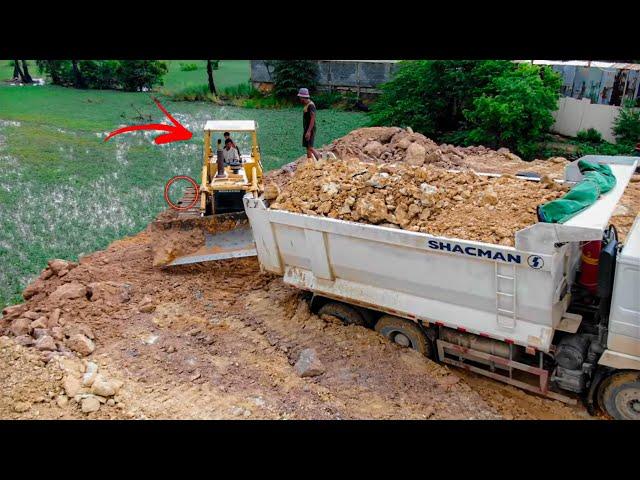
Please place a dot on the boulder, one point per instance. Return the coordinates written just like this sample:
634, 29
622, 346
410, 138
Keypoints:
41, 322
81, 344
90, 404
46, 343
13, 311
39, 332
105, 387
20, 326
33, 289
68, 291
271, 191
71, 385
57, 266
25, 340
112, 293
373, 149
308, 364
415, 155
54, 318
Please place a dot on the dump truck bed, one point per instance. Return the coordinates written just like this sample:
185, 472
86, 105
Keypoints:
517, 294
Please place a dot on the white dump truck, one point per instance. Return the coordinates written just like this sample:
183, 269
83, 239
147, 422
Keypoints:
523, 315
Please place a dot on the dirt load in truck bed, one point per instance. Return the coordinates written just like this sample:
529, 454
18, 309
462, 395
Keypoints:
424, 199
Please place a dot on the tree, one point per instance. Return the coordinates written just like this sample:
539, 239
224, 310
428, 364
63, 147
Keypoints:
212, 85
431, 95
25, 70
515, 112
78, 79
626, 126
291, 75
17, 72
140, 75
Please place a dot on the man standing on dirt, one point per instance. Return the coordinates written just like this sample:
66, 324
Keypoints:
308, 123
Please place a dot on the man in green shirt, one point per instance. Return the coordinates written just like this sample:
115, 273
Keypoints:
308, 123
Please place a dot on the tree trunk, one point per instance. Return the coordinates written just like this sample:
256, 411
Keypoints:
78, 79
17, 73
25, 71
212, 85
53, 72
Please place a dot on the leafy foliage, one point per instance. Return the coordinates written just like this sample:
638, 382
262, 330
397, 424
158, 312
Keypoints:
626, 126
431, 95
188, 67
517, 113
130, 75
589, 136
291, 75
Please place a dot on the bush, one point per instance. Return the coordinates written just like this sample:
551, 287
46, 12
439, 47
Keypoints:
431, 95
100, 74
327, 99
517, 114
626, 126
139, 75
589, 136
291, 75
188, 67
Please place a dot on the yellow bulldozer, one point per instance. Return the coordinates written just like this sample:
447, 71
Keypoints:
210, 223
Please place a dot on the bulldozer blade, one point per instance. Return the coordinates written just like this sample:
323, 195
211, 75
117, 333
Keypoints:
220, 246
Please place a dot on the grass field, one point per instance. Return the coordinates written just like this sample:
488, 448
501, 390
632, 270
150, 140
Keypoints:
65, 192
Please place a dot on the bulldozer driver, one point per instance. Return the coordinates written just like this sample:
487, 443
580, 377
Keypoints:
308, 123
227, 136
230, 153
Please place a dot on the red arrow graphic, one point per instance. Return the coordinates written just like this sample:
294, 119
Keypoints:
176, 131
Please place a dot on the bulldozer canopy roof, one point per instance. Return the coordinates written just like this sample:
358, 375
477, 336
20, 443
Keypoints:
230, 126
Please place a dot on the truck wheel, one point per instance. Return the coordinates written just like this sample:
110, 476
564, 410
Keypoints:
405, 333
347, 314
620, 395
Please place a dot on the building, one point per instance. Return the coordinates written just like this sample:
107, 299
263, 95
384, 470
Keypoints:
362, 77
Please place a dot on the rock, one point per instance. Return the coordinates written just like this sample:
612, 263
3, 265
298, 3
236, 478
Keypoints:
490, 197
46, 343
111, 293
41, 322
57, 265
33, 289
90, 374
373, 149
308, 364
46, 274
415, 155
39, 332
73, 329
13, 311
71, 385
21, 407
105, 387
90, 404
620, 210
31, 315
20, 326
146, 305
111, 402
81, 344
271, 191
54, 318
404, 143
68, 291
25, 340
57, 333
62, 401
428, 189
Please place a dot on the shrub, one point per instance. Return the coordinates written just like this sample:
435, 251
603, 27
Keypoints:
290, 75
138, 75
626, 126
327, 99
589, 136
515, 112
242, 90
188, 67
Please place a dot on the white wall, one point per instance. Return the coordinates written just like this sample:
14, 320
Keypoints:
574, 115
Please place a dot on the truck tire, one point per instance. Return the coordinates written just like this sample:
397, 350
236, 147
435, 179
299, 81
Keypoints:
405, 333
347, 314
620, 395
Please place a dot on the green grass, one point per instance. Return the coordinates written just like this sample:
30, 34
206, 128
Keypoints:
64, 192
229, 74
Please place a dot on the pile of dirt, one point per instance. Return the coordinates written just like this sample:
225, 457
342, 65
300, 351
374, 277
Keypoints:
424, 199
213, 341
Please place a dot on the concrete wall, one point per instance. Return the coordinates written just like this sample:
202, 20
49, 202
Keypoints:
575, 115
363, 75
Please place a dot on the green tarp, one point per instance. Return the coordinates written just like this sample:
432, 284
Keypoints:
598, 179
